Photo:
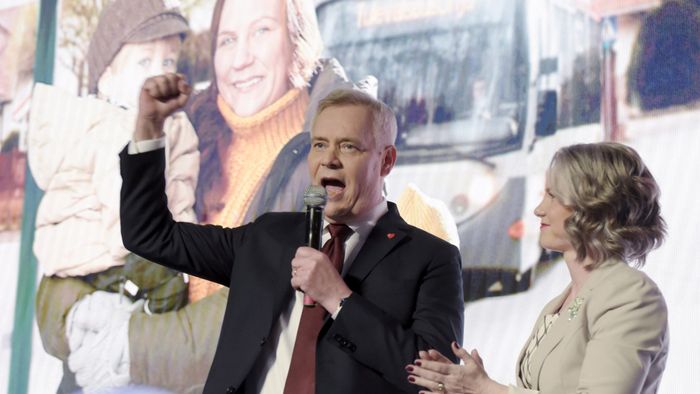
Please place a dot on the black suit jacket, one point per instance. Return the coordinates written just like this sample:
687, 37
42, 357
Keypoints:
406, 283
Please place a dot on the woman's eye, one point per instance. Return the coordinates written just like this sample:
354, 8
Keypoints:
226, 40
260, 31
145, 62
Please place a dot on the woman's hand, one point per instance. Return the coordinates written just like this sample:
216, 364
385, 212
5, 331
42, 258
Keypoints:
439, 375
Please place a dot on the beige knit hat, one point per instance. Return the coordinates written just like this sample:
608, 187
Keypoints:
129, 21
428, 214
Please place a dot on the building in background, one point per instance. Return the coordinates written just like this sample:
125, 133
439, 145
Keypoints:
17, 43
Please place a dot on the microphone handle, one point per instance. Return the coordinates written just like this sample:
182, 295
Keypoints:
314, 227
314, 233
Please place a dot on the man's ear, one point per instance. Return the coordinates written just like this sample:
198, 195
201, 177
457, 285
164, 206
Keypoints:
388, 160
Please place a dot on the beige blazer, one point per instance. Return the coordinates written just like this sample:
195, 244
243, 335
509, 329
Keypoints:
615, 342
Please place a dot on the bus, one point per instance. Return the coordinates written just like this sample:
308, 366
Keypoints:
484, 93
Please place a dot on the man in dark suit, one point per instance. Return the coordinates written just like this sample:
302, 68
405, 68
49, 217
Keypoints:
384, 289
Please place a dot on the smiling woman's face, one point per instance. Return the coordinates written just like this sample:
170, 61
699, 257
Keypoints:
553, 213
253, 54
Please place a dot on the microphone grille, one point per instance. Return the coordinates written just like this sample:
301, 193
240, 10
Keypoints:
315, 196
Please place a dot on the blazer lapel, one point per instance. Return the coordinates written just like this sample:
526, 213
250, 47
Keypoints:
560, 329
566, 323
386, 235
550, 308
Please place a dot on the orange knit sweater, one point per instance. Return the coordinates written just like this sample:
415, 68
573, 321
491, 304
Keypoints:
256, 142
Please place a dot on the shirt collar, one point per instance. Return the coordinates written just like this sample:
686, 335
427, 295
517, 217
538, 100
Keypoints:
364, 224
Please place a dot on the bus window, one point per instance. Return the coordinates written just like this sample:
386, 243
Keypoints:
455, 72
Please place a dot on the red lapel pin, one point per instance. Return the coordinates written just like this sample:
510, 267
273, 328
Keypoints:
390, 235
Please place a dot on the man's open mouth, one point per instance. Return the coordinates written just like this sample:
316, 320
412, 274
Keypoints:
333, 186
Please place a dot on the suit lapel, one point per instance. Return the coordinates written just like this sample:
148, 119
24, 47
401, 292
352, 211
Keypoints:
561, 328
567, 323
550, 308
386, 235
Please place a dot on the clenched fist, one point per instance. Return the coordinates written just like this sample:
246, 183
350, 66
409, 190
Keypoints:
160, 96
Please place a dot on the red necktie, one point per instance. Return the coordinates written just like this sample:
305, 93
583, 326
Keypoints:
301, 378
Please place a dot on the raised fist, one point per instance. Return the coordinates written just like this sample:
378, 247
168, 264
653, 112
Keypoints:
160, 96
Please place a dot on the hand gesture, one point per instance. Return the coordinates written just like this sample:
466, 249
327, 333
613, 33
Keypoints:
160, 96
439, 375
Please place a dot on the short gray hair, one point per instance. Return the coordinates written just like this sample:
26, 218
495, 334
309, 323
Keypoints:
614, 198
383, 118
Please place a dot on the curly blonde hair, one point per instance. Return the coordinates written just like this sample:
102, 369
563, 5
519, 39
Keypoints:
615, 202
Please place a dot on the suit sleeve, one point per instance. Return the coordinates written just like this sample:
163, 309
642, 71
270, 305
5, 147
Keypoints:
148, 228
385, 344
628, 336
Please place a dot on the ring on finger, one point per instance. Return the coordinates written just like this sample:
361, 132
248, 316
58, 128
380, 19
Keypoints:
440, 388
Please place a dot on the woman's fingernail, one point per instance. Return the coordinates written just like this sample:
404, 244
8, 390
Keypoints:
418, 363
455, 345
411, 379
409, 368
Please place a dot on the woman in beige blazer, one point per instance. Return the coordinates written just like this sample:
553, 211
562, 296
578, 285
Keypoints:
607, 332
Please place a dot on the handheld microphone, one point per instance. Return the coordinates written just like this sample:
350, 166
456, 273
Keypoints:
315, 200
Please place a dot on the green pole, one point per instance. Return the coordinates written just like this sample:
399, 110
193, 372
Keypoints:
21, 356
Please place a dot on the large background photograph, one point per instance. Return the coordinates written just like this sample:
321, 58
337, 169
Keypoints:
484, 93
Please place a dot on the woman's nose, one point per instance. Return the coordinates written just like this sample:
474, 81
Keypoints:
242, 56
539, 212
